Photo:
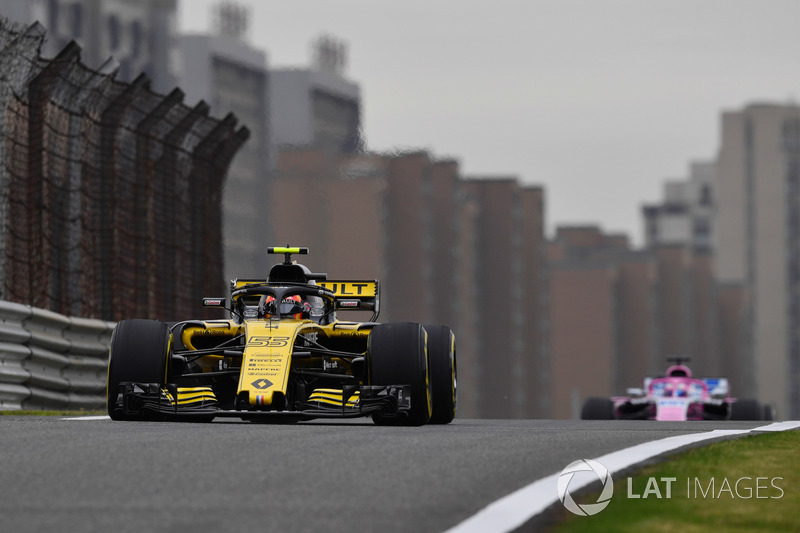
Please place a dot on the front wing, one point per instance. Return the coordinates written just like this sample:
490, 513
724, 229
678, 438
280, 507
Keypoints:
660, 409
155, 401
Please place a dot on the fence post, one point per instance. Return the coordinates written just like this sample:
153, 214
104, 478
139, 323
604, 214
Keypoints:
37, 198
114, 219
147, 295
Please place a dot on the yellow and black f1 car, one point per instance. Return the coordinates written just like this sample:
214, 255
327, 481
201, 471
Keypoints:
285, 356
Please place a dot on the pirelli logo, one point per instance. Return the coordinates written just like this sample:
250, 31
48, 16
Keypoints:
364, 289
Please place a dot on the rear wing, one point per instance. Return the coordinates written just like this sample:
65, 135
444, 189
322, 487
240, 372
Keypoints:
356, 295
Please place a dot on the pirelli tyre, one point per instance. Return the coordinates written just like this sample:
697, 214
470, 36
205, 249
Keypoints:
139, 352
597, 409
747, 409
397, 355
443, 372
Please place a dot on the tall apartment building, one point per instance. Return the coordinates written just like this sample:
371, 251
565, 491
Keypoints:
617, 314
335, 205
696, 314
582, 283
409, 241
137, 35
636, 326
685, 215
317, 107
466, 253
757, 185
499, 274
675, 304
536, 350
223, 70
508, 254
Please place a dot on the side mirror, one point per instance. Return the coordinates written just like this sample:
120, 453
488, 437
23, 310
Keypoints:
635, 392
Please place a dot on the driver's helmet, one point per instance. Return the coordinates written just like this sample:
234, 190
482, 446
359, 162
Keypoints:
291, 306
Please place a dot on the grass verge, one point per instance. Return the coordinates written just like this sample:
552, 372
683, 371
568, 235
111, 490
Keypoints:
705, 494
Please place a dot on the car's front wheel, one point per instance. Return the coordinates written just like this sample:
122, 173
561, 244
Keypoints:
597, 409
139, 353
443, 371
747, 409
397, 355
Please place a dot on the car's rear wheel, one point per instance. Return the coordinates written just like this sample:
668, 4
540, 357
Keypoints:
139, 353
442, 359
747, 409
597, 409
397, 355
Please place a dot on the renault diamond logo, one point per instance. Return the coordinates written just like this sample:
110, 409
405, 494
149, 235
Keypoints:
261, 383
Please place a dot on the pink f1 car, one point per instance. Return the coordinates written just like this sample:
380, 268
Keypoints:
676, 396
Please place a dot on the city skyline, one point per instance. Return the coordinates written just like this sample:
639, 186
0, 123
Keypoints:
599, 103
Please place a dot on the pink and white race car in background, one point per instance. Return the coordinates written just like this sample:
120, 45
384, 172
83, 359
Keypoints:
676, 396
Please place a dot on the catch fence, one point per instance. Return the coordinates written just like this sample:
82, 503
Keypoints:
110, 194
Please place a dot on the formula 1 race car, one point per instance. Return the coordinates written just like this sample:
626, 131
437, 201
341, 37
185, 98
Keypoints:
676, 396
285, 356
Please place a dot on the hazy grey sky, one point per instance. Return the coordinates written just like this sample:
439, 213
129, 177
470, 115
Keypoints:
598, 101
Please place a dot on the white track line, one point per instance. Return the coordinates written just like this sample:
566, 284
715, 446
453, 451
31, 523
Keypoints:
99, 417
510, 512
779, 426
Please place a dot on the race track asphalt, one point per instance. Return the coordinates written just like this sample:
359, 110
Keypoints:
226, 476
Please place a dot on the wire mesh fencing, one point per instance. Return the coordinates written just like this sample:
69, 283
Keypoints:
110, 194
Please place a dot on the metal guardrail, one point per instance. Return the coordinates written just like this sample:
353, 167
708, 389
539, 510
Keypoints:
51, 361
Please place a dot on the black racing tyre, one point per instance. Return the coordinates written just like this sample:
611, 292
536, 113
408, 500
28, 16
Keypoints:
597, 409
139, 353
747, 409
443, 371
397, 355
